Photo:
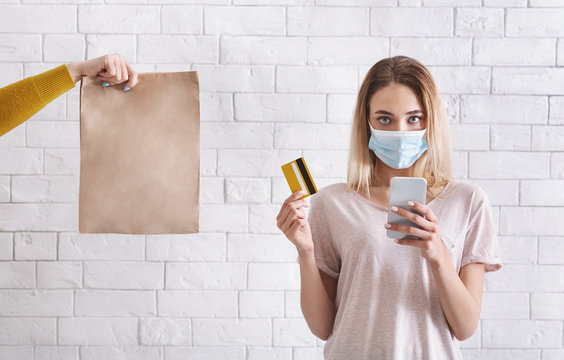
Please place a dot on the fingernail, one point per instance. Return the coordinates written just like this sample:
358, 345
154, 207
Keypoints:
106, 84
394, 208
410, 203
127, 88
388, 226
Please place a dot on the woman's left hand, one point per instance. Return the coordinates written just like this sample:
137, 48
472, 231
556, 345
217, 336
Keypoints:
428, 237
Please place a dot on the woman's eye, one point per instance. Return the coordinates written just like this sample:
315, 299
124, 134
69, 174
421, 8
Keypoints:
384, 120
414, 119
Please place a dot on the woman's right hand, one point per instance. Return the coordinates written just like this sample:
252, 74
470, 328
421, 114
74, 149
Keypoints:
292, 221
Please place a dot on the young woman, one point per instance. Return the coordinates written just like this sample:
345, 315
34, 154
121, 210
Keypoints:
21, 100
372, 297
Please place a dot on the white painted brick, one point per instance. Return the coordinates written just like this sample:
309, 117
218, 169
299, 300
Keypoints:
205, 352
17, 275
263, 50
235, 78
511, 137
500, 192
470, 137
326, 163
263, 219
409, 2
244, 20
545, 3
6, 246
277, 2
75, 246
556, 115
56, 352
123, 275
186, 247
325, 21
211, 190
21, 161
231, 332
547, 306
59, 275
511, 52
165, 332
316, 79
207, 275
60, 134
534, 22
261, 304
64, 47
272, 276
16, 352
355, 2
36, 303
518, 249
528, 81
505, 306
461, 79
97, 331
14, 138
178, 49
197, 303
346, 50
258, 353
40, 188
486, 354
236, 136
526, 278
260, 248
422, 22
35, 246
311, 136
508, 165
451, 3
505, 3
102, 44
121, 352
539, 221
5, 188
502, 109
208, 163
224, 217
551, 250
28, 331
459, 163
38, 217
292, 332
216, 107
452, 107
548, 138
110, 19
38, 18
183, 19
302, 353
247, 190
10, 73
340, 108
560, 53
280, 107
114, 303
474, 342
479, 22
292, 307
254, 162
521, 334
62, 161
434, 51
20, 47
552, 354
542, 193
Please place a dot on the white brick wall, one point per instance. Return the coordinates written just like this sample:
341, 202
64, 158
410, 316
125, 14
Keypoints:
278, 80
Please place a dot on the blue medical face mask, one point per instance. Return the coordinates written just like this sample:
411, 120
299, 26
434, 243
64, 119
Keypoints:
398, 149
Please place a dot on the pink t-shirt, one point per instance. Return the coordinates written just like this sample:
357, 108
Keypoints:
387, 302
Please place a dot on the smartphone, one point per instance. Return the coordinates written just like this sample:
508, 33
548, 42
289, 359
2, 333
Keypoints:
402, 190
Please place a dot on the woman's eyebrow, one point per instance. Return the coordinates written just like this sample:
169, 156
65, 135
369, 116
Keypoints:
389, 113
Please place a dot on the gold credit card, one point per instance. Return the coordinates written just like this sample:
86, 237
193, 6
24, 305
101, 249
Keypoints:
298, 177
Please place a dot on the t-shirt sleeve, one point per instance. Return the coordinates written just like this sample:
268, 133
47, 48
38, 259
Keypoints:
481, 244
326, 255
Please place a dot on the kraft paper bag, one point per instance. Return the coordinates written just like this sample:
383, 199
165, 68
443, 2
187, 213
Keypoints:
140, 155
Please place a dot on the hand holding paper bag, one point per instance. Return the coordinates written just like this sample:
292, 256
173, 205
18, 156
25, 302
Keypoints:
140, 156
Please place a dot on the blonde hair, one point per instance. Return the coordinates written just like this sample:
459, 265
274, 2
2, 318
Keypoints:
434, 165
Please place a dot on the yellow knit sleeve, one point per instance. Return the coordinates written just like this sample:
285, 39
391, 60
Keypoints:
21, 100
